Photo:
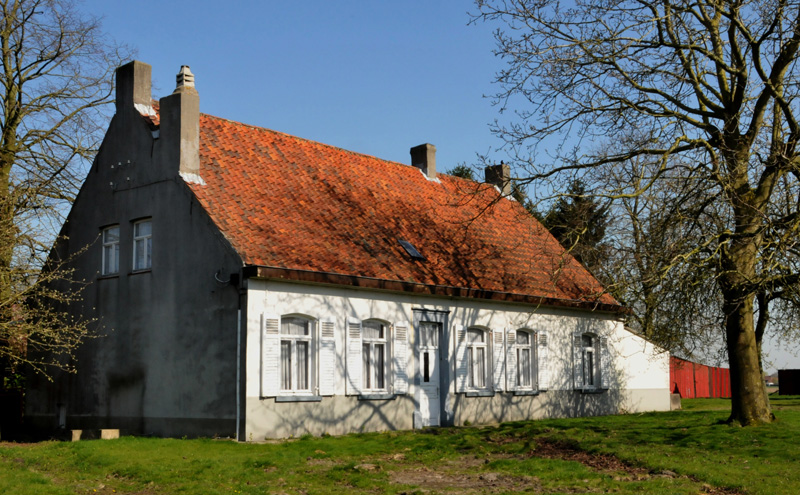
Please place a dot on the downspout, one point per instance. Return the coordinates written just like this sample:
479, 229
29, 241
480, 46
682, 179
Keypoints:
238, 370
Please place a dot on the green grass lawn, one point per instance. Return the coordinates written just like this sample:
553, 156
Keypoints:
681, 452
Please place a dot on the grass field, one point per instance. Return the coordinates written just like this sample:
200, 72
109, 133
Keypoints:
689, 451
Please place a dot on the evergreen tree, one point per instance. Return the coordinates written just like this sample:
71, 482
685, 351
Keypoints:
579, 222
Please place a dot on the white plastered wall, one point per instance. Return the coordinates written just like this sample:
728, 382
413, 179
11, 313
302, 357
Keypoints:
639, 378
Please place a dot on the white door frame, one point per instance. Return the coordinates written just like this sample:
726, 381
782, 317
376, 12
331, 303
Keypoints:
444, 366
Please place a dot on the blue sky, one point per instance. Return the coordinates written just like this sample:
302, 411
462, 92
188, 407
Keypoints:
376, 77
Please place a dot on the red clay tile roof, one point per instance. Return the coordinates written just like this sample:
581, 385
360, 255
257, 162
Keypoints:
300, 206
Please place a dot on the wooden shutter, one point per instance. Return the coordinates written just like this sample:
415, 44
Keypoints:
461, 358
605, 362
542, 361
498, 360
577, 361
511, 360
327, 357
270, 355
400, 358
354, 359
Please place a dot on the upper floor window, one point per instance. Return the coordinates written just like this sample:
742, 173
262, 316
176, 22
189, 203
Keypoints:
142, 245
525, 359
110, 262
477, 358
374, 355
296, 357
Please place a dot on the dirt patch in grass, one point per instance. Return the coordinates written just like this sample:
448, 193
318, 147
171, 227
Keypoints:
445, 480
548, 449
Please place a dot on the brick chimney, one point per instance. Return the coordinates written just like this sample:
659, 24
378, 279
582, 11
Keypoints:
133, 85
424, 158
180, 126
500, 176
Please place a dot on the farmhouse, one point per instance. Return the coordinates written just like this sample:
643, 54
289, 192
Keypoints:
252, 283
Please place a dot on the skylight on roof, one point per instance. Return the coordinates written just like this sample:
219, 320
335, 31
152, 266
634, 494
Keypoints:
411, 250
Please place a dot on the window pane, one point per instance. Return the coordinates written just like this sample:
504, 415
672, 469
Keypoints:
139, 253
474, 335
286, 365
294, 326
141, 229
587, 341
380, 366
148, 257
480, 367
111, 258
523, 338
372, 330
426, 375
110, 235
429, 334
589, 361
302, 365
365, 373
524, 370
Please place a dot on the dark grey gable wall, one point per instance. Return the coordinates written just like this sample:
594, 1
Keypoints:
166, 361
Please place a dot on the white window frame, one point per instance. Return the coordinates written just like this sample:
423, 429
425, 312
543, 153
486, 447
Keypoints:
370, 350
474, 348
532, 363
294, 343
142, 242
110, 253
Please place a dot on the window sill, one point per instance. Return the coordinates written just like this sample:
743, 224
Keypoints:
108, 276
593, 390
527, 392
479, 393
137, 272
298, 398
377, 397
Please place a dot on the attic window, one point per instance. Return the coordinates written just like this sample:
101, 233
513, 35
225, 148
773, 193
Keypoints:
411, 250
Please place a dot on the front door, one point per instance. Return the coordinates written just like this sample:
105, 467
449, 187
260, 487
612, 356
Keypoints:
430, 395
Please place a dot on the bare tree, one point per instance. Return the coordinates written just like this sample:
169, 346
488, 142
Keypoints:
706, 93
55, 80
675, 304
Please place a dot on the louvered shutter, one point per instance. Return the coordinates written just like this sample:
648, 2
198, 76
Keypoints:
461, 358
327, 357
498, 360
354, 359
542, 361
511, 360
270, 355
605, 362
400, 358
577, 361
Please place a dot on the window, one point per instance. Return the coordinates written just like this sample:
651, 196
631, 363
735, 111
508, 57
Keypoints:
525, 359
296, 357
142, 245
110, 263
476, 358
478, 371
373, 354
592, 363
376, 359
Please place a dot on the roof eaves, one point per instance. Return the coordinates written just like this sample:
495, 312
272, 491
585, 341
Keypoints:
325, 278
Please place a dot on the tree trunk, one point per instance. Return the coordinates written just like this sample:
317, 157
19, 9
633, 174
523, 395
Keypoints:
749, 400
